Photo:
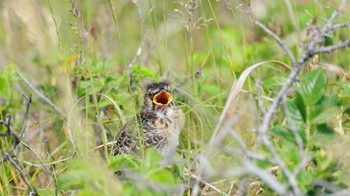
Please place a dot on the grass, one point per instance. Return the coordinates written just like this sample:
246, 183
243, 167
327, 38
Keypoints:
79, 54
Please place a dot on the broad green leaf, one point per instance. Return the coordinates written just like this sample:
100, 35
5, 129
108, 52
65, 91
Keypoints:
305, 177
299, 102
325, 110
161, 175
324, 129
152, 159
326, 115
284, 133
86, 175
72, 179
296, 112
119, 162
312, 86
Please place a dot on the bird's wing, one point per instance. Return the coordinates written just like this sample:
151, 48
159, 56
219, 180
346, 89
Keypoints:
124, 142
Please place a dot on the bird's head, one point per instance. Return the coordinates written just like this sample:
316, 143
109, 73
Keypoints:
157, 95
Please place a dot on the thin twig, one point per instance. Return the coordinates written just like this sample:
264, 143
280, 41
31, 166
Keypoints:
279, 161
28, 100
208, 184
301, 165
39, 94
265, 176
278, 40
259, 97
333, 48
10, 130
243, 187
19, 169
139, 51
48, 163
341, 25
42, 165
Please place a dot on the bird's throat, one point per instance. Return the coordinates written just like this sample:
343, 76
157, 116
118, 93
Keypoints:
162, 99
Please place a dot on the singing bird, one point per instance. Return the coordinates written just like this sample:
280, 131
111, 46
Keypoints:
161, 122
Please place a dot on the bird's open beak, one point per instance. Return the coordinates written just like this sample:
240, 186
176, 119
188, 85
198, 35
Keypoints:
162, 99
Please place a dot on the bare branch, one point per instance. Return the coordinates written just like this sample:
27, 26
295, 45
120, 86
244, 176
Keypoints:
19, 169
28, 101
278, 40
39, 94
48, 163
344, 192
198, 178
265, 176
289, 175
301, 165
139, 51
341, 25
42, 165
259, 97
333, 48
10, 130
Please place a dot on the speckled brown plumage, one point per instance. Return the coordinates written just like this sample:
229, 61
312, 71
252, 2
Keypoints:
161, 122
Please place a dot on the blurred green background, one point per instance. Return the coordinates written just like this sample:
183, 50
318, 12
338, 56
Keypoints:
73, 50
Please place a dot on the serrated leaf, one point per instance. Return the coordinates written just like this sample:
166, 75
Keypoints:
312, 86
87, 86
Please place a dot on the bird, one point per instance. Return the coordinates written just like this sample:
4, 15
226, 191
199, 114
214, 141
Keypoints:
161, 121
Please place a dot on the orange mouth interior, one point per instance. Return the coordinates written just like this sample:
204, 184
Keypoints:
162, 99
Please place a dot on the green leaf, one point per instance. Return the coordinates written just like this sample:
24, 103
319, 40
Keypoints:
325, 110
117, 163
45, 192
161, 175
324, 129
5, 89
152, 159
88, 174
211, 89
283, 132
296, 111
87, 86
274, 81
326, 115
305, 178
312, 86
